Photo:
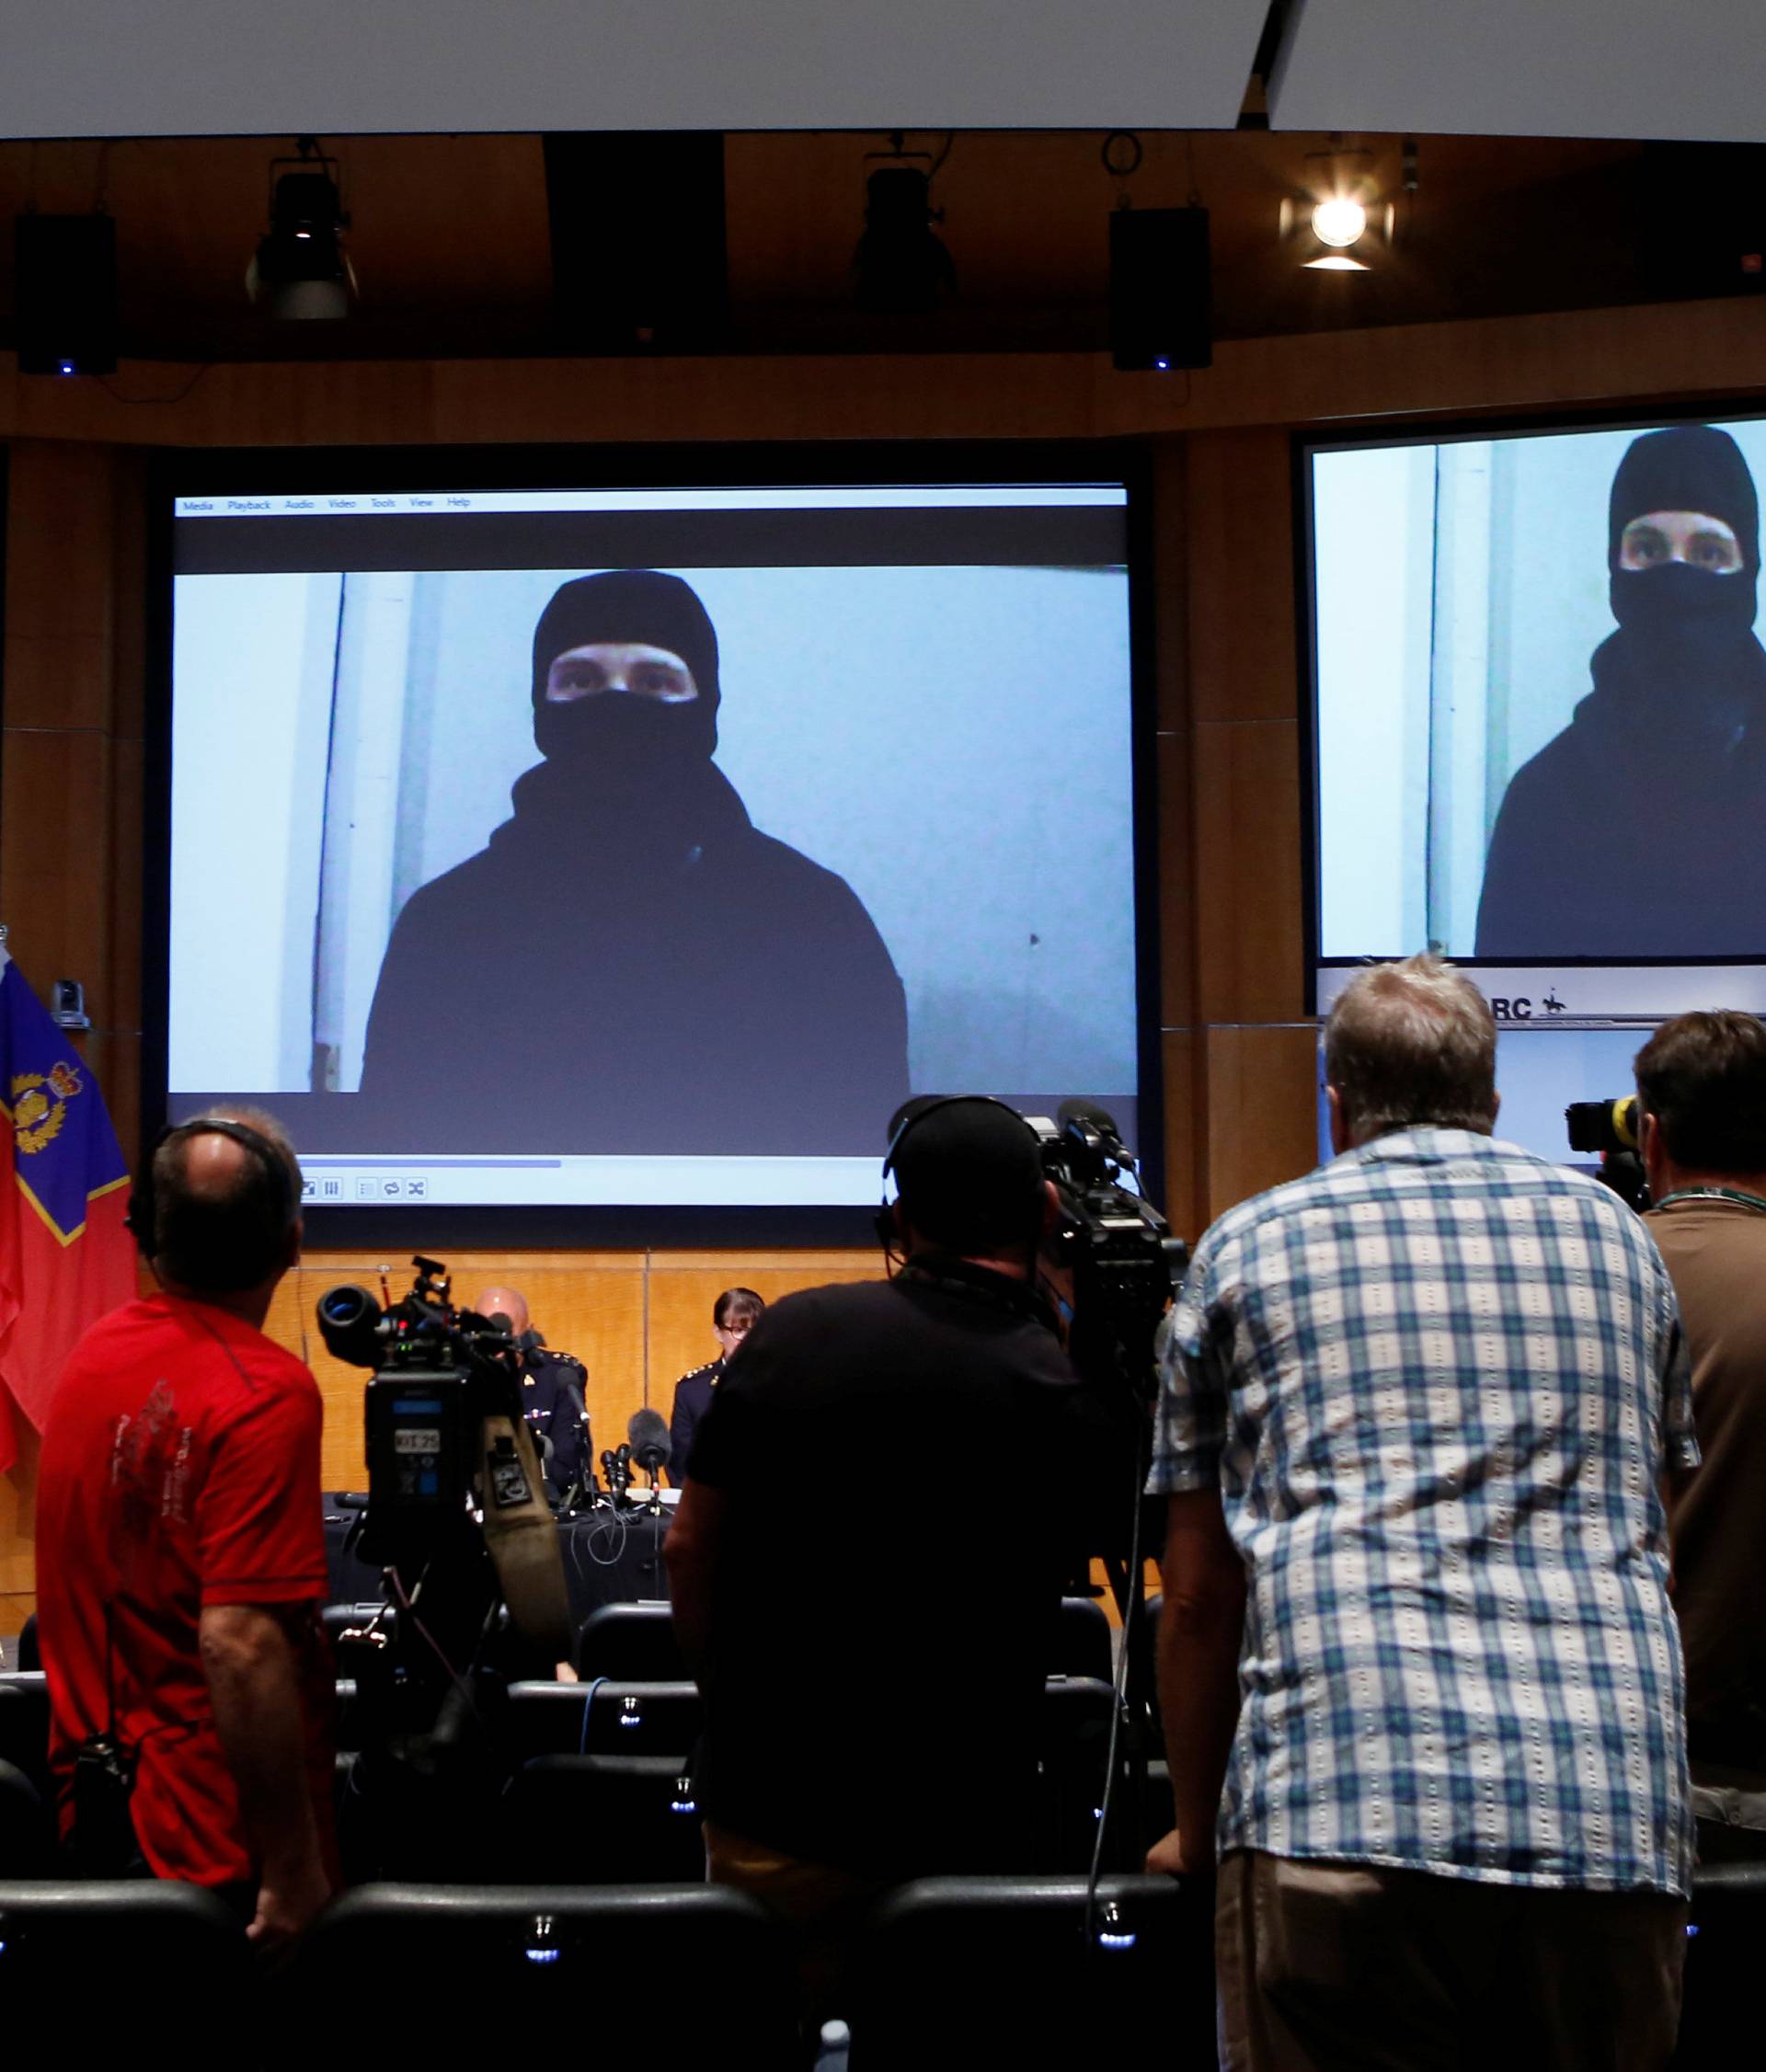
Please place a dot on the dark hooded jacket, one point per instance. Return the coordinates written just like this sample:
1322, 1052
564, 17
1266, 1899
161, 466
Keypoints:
630, 966
1637, 831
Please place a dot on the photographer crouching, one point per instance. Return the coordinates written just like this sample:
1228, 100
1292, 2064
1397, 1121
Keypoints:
180, 1553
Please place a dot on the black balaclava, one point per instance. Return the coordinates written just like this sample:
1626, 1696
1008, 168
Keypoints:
1686, 643
619, 745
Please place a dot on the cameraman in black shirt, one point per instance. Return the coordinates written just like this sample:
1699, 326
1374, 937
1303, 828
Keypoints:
870, 1695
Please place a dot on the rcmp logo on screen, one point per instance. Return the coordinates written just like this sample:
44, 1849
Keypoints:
40, 1106
1519, 1007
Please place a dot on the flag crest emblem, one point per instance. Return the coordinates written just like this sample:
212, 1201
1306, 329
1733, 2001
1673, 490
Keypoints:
40, 1106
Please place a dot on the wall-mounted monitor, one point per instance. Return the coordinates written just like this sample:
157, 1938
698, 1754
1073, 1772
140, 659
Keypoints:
575, 833
1538, 714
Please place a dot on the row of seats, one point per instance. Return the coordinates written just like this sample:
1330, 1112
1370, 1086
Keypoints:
951, 1973
599, 1717
685, 1974
602, 1786
637, 1642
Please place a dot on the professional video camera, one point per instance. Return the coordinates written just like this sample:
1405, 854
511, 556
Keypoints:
1615, 1129
449, 1452
458, 1519
1113, 1245
1120, 1266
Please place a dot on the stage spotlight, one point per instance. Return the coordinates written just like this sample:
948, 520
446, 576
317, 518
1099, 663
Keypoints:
901, 265
1338, 221
301, 271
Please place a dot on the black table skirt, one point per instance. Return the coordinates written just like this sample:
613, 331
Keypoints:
610, 1557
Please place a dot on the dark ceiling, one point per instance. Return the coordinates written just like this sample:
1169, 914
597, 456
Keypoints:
476, 245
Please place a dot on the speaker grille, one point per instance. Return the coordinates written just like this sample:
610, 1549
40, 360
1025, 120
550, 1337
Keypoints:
1160, 303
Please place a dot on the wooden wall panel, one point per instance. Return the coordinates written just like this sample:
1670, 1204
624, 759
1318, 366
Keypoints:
1240, 534
54, 822
19, 1535
1245, 1067
1552, 360
1248, 919
1186, 1083
1262, 1109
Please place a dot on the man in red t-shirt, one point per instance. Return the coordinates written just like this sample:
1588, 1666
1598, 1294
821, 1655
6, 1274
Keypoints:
181, 1547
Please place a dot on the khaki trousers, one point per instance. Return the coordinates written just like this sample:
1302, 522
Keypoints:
1327, 1965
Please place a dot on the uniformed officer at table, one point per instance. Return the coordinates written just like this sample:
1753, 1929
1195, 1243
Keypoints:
733, 1315
552, 1394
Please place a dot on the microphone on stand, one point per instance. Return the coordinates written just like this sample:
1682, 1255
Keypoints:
647, 1435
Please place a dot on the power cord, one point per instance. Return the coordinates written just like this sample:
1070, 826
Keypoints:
1133, 1615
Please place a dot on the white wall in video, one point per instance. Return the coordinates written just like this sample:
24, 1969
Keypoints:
953, 742
1541, 698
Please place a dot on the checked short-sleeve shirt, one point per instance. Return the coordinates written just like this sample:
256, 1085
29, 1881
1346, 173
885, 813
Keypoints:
1436, 1383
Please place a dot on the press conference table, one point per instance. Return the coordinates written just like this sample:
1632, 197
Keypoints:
610, 1557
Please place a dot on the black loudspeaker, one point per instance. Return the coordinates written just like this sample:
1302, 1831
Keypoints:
1160, 300
66, 287
1718, 247
639, 261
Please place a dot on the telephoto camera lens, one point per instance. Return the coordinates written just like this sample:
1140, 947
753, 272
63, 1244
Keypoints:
349, 1325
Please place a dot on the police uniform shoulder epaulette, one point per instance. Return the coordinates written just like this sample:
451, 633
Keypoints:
567, 1359
700, 1373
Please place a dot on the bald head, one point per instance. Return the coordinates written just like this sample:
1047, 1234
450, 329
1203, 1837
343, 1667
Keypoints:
226, 1209
504, 1301
215, 1168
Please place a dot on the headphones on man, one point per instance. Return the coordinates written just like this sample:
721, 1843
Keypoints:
888, 1235
142, 1219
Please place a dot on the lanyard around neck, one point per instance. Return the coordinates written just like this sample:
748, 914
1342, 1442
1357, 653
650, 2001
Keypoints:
1738, 1195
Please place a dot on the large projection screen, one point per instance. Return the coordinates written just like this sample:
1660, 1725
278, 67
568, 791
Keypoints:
550, 839
1538, 717
1538, 714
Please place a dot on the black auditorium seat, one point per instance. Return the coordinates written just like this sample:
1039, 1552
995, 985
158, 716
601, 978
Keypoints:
24, 1723
1072, 1747
137, 1944
603, 1820
977, 1972
1724, 1937
28, 1847
1082, 1641
634, 1641
448, 1973
600, 1717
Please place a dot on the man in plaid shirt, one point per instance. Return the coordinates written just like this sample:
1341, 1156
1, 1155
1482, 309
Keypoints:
1416, 1410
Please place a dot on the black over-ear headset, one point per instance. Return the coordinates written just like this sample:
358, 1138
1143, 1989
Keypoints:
142, 1219
888, 1236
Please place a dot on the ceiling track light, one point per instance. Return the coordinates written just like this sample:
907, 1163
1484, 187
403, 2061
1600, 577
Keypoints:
1340, 222
901, 265
301, 271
